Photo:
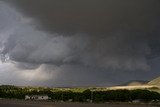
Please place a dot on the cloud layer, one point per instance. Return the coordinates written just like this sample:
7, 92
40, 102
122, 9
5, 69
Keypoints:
74, 48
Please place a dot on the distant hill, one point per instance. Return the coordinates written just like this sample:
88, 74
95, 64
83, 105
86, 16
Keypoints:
135, 83
155, 82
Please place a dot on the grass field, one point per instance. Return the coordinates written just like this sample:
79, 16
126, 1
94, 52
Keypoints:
18, 103
81, 89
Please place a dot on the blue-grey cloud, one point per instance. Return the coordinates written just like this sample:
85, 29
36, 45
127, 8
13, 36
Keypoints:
102, 42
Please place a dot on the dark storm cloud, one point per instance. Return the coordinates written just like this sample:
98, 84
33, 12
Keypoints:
100, 41
94, 16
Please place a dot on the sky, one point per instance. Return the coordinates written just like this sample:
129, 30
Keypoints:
59, 43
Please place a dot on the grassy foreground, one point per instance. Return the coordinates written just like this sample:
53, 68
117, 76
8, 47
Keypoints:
22, 103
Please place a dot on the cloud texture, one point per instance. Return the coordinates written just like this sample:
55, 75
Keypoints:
59, 43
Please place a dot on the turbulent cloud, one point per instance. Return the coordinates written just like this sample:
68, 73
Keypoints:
78, 43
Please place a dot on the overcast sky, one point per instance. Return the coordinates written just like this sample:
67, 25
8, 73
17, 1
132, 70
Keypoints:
60, 43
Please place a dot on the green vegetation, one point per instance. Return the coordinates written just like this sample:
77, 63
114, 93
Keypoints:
80, 95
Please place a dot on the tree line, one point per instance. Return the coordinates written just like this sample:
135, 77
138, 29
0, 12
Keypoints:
12, 92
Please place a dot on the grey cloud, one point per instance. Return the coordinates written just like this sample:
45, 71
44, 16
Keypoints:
97, 18
94, 41
92, 16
